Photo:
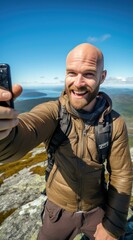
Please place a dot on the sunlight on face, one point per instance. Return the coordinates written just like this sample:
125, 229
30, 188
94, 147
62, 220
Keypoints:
84, 74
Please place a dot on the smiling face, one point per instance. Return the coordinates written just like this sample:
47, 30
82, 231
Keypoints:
84, 74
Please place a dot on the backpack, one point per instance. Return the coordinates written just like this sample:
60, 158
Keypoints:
103, 133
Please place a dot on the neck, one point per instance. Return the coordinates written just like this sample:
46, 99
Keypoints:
90, 106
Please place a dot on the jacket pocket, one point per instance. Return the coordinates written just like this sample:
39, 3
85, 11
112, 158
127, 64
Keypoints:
53, 211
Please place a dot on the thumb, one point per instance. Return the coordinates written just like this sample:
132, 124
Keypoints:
16, 90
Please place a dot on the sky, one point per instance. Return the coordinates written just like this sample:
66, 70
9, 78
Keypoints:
36, 36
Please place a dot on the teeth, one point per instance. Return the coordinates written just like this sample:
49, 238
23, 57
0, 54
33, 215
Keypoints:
81, 92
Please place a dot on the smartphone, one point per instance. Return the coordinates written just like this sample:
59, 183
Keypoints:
5, 83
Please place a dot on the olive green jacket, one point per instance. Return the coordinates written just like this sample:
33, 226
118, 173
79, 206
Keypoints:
76, 181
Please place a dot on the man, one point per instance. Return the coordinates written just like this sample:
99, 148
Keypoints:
77, 200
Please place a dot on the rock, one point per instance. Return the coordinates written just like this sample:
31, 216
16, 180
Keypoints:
24, 223
20, 189
22, 201
22, 194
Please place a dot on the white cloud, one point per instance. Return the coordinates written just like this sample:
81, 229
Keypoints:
119, 81
99, 39
129, 79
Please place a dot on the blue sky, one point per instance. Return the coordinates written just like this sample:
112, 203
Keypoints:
37, 35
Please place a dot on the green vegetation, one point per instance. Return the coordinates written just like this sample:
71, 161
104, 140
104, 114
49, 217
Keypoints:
4, 215
9, 169
123, 103
131, 202
38, 170
130, 141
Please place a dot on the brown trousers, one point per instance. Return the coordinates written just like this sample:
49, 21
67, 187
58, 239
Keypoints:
59, 224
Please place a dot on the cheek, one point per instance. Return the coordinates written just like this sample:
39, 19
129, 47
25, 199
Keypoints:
91, 85
68, 82
67, 86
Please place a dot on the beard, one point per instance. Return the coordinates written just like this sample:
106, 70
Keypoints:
82, 102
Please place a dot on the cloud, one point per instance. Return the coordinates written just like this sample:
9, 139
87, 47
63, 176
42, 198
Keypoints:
120, 81
129, 79
99, 39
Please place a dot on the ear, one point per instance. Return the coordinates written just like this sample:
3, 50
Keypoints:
103, 76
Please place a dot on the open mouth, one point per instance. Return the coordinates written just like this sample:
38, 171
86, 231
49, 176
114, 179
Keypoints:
79, 93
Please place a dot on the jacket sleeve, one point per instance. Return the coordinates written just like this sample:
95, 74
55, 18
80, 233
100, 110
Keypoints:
120, 181
34, 128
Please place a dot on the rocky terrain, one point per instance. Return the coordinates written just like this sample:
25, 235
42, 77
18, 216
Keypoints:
21, 201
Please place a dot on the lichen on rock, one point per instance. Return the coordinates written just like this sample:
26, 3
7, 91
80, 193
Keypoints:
21, 201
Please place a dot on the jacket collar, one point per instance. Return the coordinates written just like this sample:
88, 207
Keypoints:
103, 107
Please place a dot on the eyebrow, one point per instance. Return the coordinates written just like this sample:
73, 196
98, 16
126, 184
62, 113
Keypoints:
90, 70
86, 70
69, 68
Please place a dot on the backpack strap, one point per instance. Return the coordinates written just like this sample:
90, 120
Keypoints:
62, 130
103, 135
59, 136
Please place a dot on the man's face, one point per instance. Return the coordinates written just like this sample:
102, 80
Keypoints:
83, 78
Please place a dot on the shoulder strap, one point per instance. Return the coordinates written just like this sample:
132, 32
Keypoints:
103, 134
59, 136
62, 130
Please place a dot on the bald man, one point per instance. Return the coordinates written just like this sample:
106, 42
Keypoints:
77, 200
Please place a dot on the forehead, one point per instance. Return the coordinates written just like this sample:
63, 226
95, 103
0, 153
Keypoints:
80, 64
82, 59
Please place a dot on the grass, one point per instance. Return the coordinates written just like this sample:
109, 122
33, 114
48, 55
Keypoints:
4, 215
123, 104
130, 141
9, 169
131, 202
38, 170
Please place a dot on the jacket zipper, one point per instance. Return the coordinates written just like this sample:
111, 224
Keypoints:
80, 176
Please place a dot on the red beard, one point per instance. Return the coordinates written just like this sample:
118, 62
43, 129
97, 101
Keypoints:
82, 101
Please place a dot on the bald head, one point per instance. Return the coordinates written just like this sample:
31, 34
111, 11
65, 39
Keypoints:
87, 53
84, 75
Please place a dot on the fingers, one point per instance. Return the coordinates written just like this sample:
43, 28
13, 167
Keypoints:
8, 120
6, 95
8, 116
7, 113
102, 234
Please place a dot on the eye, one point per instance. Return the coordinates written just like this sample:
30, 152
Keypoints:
71, 74
89, 74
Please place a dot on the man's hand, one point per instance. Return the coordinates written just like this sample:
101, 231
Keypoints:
8, 116
102, 234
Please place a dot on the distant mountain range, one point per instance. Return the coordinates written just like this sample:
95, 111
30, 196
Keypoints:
119, 81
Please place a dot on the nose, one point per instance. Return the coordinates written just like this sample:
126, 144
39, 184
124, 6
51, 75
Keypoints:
79, 81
